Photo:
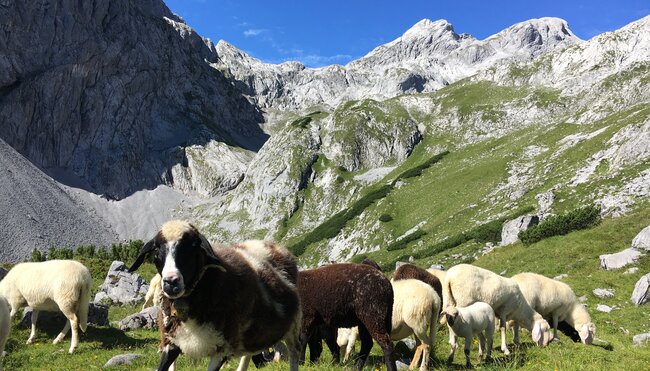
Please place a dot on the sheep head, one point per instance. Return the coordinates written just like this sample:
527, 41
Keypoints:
181, 255
541, 332
451, 315
587, 332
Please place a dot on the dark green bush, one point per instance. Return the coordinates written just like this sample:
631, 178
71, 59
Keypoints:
417, 170
385, 218
358, 258
125, 252
398, 245
581, 218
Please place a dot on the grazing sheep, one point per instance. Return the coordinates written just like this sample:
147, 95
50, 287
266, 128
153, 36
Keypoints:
154, 294
415, 311
347, 295
554, 299
223, 302
5, 325
467, 322
346, 337
55, 285
466, 284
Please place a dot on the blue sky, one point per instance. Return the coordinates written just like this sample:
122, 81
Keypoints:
324, 32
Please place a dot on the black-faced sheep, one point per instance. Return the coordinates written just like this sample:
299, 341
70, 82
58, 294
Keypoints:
348, 295
224, 302
466, 284
554, 299
55, 285
467, 322
5, 326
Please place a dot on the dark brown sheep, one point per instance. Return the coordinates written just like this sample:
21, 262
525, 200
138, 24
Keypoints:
223, 302
348, 295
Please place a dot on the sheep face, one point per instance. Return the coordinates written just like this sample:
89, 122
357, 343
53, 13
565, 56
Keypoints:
181, 255
541, 333
451, 314
587, 332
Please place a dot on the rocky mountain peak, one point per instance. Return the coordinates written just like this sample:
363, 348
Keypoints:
545, 33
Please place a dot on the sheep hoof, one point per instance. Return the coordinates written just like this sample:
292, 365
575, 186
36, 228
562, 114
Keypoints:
468, 366
56, 340
29, 341
450, 360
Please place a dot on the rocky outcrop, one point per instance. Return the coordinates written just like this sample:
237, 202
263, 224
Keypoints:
122, 359
107, 95
642, 240
121, 286
145, 319
641, 293
619, 259
511, 229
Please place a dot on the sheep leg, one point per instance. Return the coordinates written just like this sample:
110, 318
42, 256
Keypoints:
348, 350
555, 321
74, 325
468, 343
32, 335
417, 355
330, 340
454, 345
426, 346
366, 345
243, 363
63, 333
481, 346
489, 332
292, 341
502, 328
216, 361
169, 355
515, 329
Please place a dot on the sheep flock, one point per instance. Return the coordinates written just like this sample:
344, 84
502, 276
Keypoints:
233, 302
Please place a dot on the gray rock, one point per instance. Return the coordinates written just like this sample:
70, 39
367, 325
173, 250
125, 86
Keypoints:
642, 240
583, 298
399, 264
121, 286
561, 277
122, 359
545, 200
632, 270
641, 339
439, 267
604, 293
603, 308
410, 343
145, 319
97, 315
641, 294
401, 365
511, 229
619, 259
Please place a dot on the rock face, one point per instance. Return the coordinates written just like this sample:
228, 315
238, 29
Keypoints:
38, 213
619, 259
108, 95
121, 286
641, 293
144, 319
641, 339
642, 240
511, 229
604, 293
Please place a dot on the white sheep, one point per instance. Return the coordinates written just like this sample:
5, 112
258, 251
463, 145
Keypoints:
5, 325
415, 311
346, 337
466, 284
555, 299
55, 285
467, 322
154, 294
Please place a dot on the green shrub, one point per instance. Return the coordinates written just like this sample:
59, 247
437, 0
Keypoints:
385, 218
301, 123
398, 245
417, 170
358, 258
581, 218
126, 252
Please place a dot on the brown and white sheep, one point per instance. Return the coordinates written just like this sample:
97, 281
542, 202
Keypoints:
348, 295
224, 302
466, 284
54, 285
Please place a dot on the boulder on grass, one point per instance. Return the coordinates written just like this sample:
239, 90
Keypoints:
122, 286
642, 240
144, 319
619, 259
641, 294
510, 230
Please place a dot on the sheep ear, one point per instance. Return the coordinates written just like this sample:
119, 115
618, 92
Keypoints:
211, 259
537, 334
146, 249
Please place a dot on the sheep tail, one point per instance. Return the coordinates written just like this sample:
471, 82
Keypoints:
84, 302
